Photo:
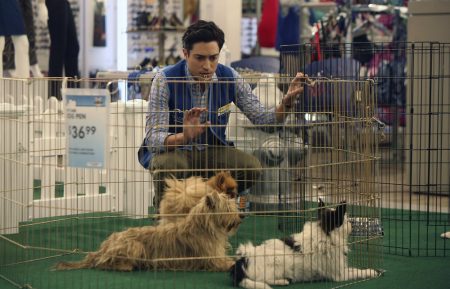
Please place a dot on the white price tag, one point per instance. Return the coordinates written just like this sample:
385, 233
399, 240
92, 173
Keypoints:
87, 114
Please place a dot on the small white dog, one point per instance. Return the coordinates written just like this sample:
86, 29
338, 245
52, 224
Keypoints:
319, 252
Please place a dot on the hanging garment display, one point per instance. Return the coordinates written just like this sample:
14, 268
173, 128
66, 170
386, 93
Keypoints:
267, 28
288, 28
99, 24
12, 24
11, 20
28, 17
64, 46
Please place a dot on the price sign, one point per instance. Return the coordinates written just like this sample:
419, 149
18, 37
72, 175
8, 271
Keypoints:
86, 112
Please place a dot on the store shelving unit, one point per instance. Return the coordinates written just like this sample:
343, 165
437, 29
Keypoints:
152, 39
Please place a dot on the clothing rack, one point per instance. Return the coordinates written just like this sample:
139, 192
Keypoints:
303, 19
376, 8
302, 3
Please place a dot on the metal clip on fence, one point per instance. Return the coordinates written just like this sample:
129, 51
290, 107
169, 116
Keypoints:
380, 126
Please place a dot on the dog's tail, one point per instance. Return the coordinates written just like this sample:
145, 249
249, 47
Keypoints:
72, 265
83, 264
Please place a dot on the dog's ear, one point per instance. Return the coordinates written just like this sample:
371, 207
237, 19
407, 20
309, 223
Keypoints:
321, 203
321, 207
170, 180
340, 213
211, 200
332, 219
220, 179
324, 217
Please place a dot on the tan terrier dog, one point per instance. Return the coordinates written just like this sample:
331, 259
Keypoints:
182, 195
184, 245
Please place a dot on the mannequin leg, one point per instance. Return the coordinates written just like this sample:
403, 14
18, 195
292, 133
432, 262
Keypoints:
36, 70
21, 56
2, 45
28, 18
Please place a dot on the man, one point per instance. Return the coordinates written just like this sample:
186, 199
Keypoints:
189, 109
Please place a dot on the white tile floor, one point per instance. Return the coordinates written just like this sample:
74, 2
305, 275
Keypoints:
391, 182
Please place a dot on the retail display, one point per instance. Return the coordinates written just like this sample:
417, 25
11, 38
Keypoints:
249, 27
64, 45
99, 24
267, 27
12, 24
42, 35
28, 17
154, 28
351, 179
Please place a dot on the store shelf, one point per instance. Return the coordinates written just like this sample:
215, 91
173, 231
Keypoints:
155, 30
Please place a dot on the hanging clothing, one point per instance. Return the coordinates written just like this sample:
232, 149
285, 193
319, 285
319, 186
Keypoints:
8, 54
64, 47
288, 28
11, 19
267, 28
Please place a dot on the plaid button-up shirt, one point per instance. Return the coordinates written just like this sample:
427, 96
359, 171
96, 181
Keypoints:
157, 120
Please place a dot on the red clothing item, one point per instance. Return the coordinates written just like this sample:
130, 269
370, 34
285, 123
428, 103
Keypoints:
267, 28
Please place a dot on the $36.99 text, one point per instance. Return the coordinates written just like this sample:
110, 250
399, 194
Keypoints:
81, 131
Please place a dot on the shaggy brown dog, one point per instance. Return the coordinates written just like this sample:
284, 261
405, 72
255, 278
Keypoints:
198, 242
181, 196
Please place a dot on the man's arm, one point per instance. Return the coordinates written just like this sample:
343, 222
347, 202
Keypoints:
157, 124
295, 89
258, 114
157, 119
191, 129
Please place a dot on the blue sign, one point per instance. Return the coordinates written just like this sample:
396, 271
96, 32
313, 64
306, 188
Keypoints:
87, 114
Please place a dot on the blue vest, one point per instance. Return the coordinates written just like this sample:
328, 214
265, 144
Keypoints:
219, 96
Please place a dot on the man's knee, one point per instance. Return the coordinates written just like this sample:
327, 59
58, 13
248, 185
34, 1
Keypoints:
169, 164
164, 166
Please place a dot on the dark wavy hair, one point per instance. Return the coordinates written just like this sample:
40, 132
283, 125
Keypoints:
202, 31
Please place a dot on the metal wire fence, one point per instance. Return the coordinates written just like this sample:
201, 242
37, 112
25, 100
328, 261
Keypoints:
412, 85
54, 211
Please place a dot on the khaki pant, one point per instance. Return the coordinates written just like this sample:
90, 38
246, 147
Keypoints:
182, 164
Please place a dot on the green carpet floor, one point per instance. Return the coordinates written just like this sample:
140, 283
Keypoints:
402, 273
31, 267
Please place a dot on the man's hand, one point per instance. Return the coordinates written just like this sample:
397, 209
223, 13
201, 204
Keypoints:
295, 89
192, 127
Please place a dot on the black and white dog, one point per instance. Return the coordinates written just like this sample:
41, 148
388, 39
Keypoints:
319, 252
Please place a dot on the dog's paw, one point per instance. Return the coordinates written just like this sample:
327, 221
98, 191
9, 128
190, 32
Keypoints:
445, 235
281, 282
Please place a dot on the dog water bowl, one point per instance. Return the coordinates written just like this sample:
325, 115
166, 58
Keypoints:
363, 226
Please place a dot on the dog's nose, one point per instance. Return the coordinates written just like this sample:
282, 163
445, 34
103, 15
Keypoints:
242, 216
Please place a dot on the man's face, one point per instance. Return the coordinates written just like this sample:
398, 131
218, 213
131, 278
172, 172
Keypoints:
202, 60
